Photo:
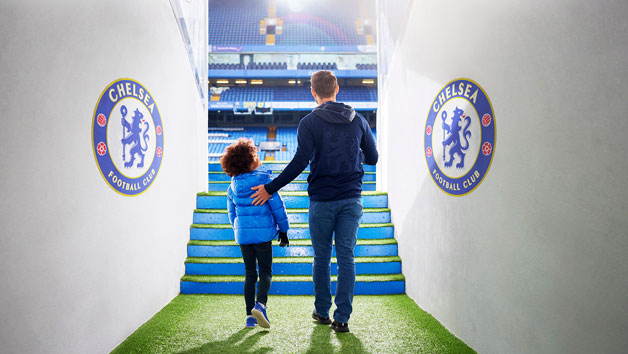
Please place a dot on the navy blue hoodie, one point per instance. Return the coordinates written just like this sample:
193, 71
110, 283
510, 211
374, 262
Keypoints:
333, 139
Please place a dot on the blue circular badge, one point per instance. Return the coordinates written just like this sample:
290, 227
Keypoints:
459, 137
127, 137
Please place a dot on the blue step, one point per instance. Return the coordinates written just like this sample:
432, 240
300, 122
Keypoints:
302, 266
224, 232
299, 287
222, 177
277, 166
292, 200
385, 247
219, 216
294, 186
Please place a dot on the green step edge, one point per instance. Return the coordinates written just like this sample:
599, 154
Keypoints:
292, 278
290, 211
296, 182
296, 226
289, 193
302, 242
239, 260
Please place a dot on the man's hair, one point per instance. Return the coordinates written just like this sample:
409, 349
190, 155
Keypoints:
238, 157
324, 83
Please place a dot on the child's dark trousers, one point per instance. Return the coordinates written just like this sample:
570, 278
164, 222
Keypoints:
263, 253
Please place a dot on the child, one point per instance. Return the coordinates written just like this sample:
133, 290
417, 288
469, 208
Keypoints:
254, 226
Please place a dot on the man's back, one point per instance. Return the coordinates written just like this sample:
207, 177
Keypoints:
339, 134
331, 139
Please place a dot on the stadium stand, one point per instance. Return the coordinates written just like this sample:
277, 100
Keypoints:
263, 53
219, 138
226, 66
288, 137
267, 66
236, 22
366, 66
320, 25
317, 66
294, 93
248, 94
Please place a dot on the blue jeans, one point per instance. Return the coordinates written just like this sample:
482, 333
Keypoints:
341, 217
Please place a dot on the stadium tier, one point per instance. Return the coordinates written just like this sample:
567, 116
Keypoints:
236, 22
268, 25
297, 93
284, 66
317, 66
219, 138
239, 71
226, 66
267, 66
366, 66
289, 97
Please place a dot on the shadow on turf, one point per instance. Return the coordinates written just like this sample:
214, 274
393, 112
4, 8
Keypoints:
320, 341
232, 344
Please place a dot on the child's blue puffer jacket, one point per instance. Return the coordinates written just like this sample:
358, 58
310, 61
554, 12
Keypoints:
254, 223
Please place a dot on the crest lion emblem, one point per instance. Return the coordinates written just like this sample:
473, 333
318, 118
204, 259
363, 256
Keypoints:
459, 137
128, 156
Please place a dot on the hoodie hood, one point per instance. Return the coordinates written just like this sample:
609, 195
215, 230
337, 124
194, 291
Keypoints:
242, 183
335, 112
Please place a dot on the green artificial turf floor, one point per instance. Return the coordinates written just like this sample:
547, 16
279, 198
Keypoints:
215, 324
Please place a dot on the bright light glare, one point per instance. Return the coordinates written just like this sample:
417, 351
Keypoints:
295, 5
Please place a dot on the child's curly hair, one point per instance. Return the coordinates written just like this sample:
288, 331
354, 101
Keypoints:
238, 157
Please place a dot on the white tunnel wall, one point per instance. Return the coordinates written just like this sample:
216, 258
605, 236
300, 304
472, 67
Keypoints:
83, 266
534, 259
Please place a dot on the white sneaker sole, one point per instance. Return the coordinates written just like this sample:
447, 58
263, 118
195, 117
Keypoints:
261, 320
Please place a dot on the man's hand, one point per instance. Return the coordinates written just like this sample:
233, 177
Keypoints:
261, 196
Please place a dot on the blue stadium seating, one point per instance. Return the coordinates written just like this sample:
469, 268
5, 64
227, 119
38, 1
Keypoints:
288, 136
230, 66
295, 93
216, 143
317, 66
320, 25
236, 23
267, 66
284, 66
248, 94
366, 66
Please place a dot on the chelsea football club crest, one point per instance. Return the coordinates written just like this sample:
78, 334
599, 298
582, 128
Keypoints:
127, 137
459, 137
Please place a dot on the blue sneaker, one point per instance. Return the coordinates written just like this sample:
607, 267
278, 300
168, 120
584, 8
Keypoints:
259, 312
251, 322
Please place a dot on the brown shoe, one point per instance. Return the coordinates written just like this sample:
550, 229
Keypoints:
320, 319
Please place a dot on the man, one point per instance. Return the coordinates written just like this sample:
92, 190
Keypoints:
333, 139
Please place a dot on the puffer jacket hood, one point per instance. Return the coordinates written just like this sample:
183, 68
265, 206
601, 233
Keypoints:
243, 182
335, 112
254, 223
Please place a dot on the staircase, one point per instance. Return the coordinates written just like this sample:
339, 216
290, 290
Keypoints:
214, 264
